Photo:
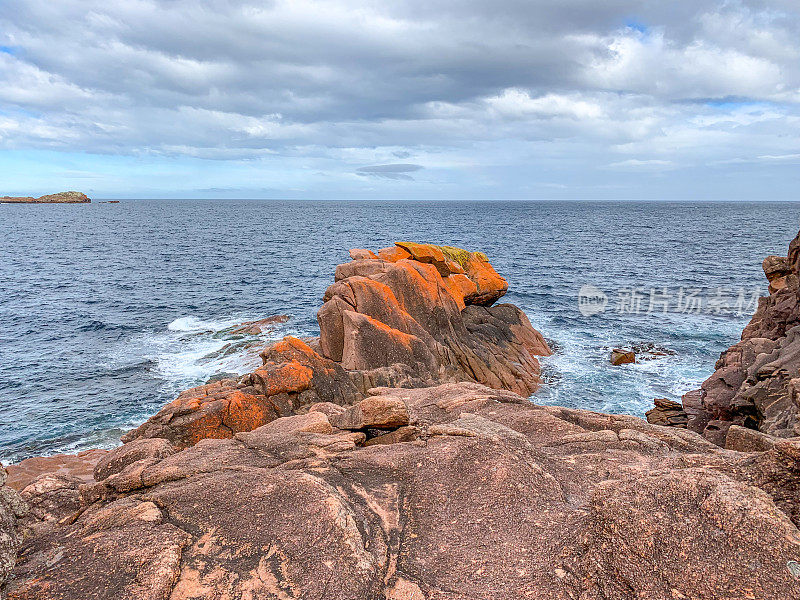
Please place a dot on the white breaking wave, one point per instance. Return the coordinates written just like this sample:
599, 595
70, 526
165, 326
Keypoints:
192, 323
193, 349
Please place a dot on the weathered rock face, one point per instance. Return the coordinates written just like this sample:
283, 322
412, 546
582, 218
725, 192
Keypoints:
429, 308
12, 508
293, 375
305, 480
79, 466
488, 496
59, 198
757, 380
622, 357
668, 413
415, 315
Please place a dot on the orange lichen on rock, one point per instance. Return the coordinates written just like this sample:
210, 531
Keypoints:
292, 345
276, 389
245, 412
412, 315
425, 316
393, 254
451, 262
287, 377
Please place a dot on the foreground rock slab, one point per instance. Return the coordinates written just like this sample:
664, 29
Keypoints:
492, 497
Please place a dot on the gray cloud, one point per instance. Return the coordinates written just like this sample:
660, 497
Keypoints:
323, 87
397, 171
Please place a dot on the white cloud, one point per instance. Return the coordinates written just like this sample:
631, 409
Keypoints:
347, 83
646, 163
519, 104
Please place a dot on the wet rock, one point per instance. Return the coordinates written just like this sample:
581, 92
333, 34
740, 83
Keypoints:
622, 357
667, 413
257, 327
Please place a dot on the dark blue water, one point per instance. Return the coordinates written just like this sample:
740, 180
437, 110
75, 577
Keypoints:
108, 310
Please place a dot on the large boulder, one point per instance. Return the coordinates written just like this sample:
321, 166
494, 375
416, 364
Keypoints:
429, 308
482, 495
414, 316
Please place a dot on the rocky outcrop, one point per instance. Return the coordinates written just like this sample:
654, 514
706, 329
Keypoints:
667, 412
257, 327
414, 315
12, 508
59, 198
756, 384
305, 479
487, 496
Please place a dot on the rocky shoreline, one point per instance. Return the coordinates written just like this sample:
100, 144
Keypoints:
753, 397
397, 456
59, 198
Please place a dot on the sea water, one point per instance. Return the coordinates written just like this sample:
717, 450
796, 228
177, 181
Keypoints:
107, 311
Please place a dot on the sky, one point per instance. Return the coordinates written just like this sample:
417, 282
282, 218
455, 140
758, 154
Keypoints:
408, 99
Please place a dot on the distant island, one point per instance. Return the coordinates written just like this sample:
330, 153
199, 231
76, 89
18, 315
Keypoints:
59, 198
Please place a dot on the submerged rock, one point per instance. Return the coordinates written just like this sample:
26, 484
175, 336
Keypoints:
622, 357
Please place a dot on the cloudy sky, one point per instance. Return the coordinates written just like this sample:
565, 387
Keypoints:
510, 99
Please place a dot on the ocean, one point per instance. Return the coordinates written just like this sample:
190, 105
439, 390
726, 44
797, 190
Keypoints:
107, 311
